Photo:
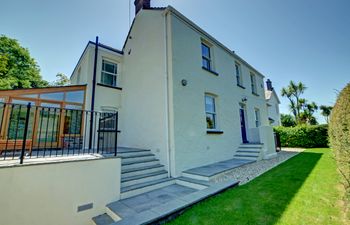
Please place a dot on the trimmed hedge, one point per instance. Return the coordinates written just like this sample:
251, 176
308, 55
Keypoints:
312, 136
339, 134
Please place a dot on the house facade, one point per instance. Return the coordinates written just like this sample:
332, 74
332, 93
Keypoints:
272, 102
179, 92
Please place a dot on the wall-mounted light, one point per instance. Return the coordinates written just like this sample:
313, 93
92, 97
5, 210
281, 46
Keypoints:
244, 99
184, 82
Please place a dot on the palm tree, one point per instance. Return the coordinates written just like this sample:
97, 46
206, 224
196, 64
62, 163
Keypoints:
293, 92
326, 111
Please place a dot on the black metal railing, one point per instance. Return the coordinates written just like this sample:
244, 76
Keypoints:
29, 131
277, 142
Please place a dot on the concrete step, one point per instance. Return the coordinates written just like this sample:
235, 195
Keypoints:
246, 157
137, 189
192, 183
133, 153
143, 178
141, 170
103, 219
251, 146
251, 153
137, 164
248, 150
138, 158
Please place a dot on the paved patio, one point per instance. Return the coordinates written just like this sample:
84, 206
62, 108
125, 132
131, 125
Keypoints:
219, 167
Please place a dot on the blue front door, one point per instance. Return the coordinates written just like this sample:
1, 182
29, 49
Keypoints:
243, 128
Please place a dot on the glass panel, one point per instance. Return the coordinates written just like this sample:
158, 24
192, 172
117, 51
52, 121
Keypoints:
48, 126
209, 104
2, 107
73, 107
2, 99
75, 96
51, 105
210, 121
206, 63
109, 67
22, 102
30, 96
17, 122
205, 51
53, 96
109, 79
72, 122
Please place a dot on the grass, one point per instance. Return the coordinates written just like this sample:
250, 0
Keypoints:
304, 190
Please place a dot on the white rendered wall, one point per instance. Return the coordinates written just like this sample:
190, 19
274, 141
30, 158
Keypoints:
193, 146
50, 193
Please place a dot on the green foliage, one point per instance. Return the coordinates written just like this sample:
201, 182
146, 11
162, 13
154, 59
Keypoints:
339, 134
303, 136
17, 68
61, 80
287, 120
293, 92
326, 111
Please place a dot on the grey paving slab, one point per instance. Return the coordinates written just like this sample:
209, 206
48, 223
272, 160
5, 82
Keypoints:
219, 167
121, 209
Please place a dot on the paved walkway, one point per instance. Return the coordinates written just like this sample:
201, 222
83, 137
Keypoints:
219, 167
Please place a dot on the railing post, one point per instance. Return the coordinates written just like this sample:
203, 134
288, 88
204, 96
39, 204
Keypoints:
25, 133
116, 135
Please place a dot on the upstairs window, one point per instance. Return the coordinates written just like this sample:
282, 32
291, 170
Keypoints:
206, 57
253, 83
257, 117
109, 73
210, 111
238, 74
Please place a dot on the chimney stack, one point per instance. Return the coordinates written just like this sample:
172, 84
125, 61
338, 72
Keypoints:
269, 85
141, 4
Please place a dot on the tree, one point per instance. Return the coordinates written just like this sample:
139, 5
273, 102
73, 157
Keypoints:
17, 68
326, 111
293, 92
308, 110
287, 120
61, 80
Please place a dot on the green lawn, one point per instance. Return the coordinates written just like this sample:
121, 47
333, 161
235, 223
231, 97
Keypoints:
304, 190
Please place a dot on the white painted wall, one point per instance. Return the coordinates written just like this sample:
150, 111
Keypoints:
193, 146
273, 110
45, 194
144, 108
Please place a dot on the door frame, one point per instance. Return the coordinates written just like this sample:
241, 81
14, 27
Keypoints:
243, 126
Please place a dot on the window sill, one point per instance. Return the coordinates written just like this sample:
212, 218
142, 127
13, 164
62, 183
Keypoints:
255, 94
210, 71
215, 132
240, 86
108, 86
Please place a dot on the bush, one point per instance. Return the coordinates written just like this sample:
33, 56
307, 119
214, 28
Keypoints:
339, 134
315, 136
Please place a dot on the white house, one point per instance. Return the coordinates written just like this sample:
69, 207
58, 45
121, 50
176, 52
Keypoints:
272, 102
178, 91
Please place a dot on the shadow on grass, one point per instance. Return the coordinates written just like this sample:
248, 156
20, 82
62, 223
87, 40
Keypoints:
261, 201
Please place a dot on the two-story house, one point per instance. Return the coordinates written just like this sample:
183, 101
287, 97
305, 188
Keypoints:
178, 91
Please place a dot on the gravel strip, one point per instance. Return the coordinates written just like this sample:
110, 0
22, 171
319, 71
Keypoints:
248, 172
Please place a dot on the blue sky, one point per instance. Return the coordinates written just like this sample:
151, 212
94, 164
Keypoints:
300, 40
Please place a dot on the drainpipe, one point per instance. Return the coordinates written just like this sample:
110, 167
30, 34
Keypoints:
167, 93
93, 94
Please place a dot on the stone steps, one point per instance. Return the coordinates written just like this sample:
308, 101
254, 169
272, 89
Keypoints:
249, 151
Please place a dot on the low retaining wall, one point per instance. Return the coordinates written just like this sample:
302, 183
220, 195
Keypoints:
58, 193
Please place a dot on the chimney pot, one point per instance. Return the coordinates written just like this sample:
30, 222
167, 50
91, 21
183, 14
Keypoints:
142, 4
269, 85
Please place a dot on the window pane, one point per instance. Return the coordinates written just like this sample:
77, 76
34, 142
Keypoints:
109, 67
206, 63
210, 121
205, 51
72, 121
75, 96
209, 104
17, 122
30, 96
53, 96
22, 102
109, 79
237, 70
73, 107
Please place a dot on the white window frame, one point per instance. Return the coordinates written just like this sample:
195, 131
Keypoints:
257, 117
209, 59
253, 83
109, 73
213, 113
238, 71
